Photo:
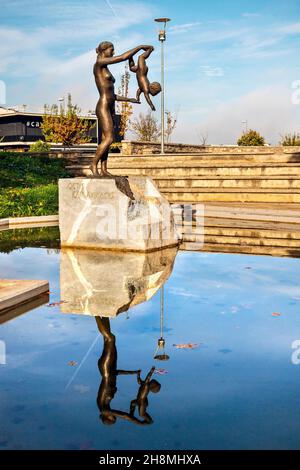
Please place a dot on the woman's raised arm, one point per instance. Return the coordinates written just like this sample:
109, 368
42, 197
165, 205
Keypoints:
120, 58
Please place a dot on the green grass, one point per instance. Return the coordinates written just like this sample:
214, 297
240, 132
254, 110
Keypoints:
28, 184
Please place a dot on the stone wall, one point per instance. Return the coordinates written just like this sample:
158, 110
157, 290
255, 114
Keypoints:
130, 147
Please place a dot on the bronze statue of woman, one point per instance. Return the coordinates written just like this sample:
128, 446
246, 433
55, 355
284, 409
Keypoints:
105, 109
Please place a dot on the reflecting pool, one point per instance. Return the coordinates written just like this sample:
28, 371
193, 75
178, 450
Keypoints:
226, 374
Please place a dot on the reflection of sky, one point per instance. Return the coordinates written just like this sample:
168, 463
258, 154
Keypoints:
239, 389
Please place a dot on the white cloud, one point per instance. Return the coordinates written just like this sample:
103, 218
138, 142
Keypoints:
183, 28
292, 28
267, 110
44, 62
211, 71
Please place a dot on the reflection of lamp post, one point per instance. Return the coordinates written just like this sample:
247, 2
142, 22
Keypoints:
160, 354
162, 38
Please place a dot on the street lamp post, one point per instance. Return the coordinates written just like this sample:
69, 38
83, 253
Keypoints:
246, 125
162, 38
62, 103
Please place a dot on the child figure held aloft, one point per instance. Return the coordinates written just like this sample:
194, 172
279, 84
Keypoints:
141, 71
141, 401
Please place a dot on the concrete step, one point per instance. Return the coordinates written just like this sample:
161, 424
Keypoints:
232, 196
242, 233
238, 249
202, 157
124, 164
236, 213
242, 241
268, 182
204, 171
240, 224
229, 190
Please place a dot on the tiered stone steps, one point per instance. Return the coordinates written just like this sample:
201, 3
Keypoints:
232, 229
234, 177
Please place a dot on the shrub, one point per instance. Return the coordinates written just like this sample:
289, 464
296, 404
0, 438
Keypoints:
251, 138
21, 170
40, 146
42, 200
290, 140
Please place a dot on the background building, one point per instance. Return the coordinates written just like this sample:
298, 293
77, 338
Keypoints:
18, 130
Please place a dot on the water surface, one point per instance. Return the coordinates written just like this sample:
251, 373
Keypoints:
239, 389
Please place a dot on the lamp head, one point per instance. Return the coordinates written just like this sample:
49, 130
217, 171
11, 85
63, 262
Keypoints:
162, 32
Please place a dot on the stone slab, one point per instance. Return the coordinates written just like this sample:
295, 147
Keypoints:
127, 214
15, 292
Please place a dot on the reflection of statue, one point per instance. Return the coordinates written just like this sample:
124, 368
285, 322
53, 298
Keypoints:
141, 400
105, 109
108, 369
141, 71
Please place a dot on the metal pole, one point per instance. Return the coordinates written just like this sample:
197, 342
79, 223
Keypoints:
162, 100
162, 38
162, 311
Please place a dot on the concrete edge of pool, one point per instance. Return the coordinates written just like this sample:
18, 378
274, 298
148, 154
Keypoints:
15, 292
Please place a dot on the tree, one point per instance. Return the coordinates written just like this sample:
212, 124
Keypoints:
251, 138
65, 126
290, 140
171, 124
145, 127
124, 108
203, 137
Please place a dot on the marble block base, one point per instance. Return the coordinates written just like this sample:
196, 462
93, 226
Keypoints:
115, 213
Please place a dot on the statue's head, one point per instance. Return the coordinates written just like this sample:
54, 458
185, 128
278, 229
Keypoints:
154, 386
108, 418
155, 88
106, 49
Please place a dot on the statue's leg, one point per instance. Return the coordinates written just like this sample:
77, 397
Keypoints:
138, 94
109, 136
148, 99
107, 127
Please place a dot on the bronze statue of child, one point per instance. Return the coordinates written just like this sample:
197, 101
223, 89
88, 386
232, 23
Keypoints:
141, 400
141, 71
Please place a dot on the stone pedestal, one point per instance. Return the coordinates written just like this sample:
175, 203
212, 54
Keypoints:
115, 213
102, 283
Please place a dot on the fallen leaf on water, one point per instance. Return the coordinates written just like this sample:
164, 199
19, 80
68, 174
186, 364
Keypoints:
46, 293
160, 371
56, 304
72, 363
186, 345
276, 314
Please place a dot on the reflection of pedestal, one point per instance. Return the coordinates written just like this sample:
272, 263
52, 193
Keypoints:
104, 283
115, 213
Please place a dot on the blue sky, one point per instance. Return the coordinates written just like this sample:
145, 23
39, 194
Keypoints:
226, 61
